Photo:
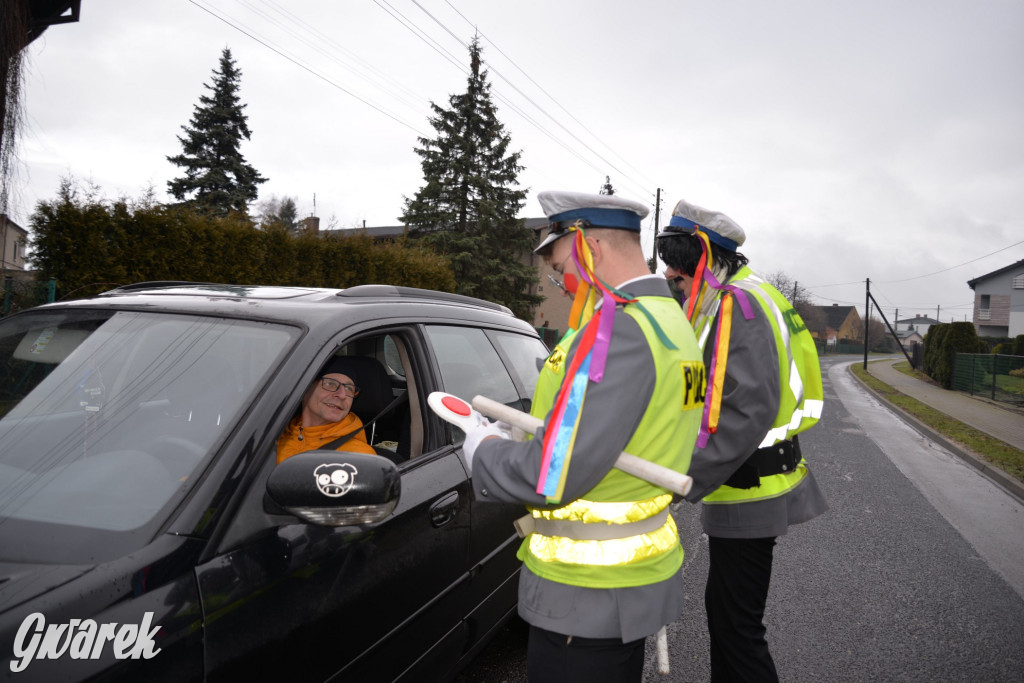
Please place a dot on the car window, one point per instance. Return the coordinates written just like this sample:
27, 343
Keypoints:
398, 432
106, 417
393, 356
470, 366
525, 355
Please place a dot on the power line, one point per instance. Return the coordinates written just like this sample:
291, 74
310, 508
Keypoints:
521, 93
918, 277
296, 62
422, 34
549, 95
887, 282
315, 39
416, 30
434, 45
836, 284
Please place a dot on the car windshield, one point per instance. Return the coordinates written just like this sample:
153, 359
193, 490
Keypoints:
107, 418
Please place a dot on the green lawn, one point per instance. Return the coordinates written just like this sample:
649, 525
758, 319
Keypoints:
994, 451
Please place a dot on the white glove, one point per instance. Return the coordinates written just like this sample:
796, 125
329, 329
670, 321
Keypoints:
477, 434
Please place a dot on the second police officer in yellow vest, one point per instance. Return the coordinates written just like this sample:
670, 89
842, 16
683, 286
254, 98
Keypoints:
764, 388
602, 559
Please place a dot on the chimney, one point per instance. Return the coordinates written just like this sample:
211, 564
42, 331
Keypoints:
311, 224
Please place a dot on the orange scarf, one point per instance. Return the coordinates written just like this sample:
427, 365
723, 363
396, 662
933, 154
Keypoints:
289, 443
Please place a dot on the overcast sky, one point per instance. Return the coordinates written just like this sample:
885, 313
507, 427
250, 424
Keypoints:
879, 139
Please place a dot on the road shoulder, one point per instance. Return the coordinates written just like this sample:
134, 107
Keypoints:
1010, 484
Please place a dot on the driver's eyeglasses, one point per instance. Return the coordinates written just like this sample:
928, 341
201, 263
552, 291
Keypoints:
332, 385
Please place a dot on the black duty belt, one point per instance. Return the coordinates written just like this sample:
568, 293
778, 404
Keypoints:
779, 458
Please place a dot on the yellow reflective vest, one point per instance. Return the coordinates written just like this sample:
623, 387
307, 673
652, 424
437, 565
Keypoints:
802, 396
619, 533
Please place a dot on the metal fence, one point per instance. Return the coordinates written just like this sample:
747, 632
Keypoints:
989, 375
19, 294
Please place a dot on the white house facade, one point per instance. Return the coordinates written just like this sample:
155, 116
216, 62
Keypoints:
999, 302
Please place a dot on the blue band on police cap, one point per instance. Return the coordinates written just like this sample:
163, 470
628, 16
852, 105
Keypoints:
680, 222
686, 223
601, 218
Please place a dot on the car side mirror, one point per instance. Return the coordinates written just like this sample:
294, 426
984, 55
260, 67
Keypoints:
335, 488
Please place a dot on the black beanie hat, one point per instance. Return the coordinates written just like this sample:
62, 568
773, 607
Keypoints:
342, 365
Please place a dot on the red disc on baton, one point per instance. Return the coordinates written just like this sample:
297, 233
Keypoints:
456, 405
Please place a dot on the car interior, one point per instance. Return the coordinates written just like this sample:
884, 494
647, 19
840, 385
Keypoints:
383, 403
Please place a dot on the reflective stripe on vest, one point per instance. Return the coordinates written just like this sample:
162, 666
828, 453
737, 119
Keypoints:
606, 553
805, 407
584, 531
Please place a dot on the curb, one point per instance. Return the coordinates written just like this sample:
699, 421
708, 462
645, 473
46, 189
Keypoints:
1011, 485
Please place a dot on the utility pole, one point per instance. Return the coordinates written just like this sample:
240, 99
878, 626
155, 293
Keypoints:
657, 215
793, 298
867, 315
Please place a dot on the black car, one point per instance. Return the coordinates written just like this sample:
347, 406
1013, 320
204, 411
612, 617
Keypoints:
147, 532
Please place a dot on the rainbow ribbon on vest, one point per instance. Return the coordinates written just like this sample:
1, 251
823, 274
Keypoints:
720, 350
587, 365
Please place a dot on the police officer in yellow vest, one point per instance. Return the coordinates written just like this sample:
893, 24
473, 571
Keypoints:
602, 558
764, 388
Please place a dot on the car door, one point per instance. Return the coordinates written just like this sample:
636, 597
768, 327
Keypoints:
472, 361
289, 600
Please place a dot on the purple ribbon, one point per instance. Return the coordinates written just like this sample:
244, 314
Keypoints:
605, 324
741, 296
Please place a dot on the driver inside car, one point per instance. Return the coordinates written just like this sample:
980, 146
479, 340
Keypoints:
326, 421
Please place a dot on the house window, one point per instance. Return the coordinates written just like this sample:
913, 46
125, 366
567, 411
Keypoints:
1018, 281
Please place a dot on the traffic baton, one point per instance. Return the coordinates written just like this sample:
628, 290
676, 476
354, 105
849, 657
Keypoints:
658, 475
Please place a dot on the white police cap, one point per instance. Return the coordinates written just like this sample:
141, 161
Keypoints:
687, 218
564, 209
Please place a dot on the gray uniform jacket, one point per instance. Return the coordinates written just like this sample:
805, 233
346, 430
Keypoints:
750, 401
507, 471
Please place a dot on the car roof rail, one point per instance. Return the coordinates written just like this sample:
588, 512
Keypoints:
361, 291
153, 284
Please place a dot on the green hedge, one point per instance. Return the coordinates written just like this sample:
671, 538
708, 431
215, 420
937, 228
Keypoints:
90, 245
932, 343
941, 345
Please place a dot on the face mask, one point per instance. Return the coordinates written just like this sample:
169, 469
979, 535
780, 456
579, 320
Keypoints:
677, 288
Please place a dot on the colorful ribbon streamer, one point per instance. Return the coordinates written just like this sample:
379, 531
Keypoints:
588, 363
704, 279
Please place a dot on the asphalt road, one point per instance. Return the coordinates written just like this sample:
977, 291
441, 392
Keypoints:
916, 573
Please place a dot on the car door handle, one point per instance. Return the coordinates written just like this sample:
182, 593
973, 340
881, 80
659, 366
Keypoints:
443, 511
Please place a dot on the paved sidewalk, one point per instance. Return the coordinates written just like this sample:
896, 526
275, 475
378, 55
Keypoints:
1003, 423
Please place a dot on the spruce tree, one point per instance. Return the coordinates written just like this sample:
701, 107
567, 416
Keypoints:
281, 213
217, 176
288, 214
467, 207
